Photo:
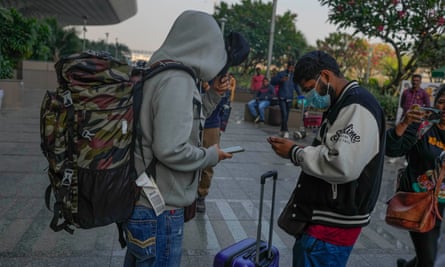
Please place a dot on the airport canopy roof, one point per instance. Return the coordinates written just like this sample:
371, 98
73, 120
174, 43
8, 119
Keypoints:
76, 12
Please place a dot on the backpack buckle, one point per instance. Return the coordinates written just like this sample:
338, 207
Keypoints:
67, 100
67, 177
87, 134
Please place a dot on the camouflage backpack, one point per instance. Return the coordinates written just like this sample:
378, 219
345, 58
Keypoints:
88, 133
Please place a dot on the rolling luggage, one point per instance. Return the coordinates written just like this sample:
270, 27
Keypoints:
250, 251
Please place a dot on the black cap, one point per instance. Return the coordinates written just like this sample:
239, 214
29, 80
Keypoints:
237, 49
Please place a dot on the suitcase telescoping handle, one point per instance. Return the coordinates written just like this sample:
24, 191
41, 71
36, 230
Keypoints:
270, 174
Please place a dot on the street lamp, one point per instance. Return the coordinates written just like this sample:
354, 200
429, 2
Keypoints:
84, 31
271, 36
106, 41
368, 68
116, 49
223, 23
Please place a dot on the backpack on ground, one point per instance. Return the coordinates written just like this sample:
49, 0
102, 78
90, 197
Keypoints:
88, 135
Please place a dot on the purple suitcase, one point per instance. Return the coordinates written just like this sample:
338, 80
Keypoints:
253, 252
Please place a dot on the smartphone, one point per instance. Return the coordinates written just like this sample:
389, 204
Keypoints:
233, 149
433, 115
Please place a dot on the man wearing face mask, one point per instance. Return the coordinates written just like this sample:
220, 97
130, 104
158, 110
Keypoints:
315, 100
341, 171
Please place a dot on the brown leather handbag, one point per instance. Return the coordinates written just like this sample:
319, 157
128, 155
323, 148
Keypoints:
415, 211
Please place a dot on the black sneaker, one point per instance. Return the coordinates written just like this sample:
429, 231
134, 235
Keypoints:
200, 205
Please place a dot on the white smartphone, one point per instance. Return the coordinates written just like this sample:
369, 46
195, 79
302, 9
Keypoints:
233, 149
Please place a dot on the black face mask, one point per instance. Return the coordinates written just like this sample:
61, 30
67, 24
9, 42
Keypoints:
237, 49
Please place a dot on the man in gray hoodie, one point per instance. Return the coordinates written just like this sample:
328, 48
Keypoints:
171, 119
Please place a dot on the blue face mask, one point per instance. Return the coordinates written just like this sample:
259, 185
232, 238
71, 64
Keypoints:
317, 101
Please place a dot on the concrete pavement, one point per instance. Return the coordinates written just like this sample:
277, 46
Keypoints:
232, 205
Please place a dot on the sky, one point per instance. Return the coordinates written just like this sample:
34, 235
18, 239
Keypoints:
148, 28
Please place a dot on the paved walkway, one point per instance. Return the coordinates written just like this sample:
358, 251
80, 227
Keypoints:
232, 206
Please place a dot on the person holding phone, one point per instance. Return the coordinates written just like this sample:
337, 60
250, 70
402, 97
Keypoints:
341, 171
172, 114
421, 142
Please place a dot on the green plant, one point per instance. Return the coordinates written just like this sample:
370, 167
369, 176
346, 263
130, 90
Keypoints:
388, 101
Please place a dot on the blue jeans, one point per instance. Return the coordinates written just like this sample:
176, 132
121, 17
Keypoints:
284, 109
260, 105
311, 252
154, 241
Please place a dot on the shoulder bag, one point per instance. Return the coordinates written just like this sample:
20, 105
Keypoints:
415, 211
286, 220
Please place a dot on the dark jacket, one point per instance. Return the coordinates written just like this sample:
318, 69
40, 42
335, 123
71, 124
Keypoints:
286, 88
421, 154
214, 120
342, 169
265, 93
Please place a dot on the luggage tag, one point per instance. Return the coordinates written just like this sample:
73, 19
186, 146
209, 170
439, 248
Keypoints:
152, 192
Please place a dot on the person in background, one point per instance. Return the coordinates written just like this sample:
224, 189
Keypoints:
341, 171
421, 146
211, 136
414, 95
171, 118
261, 101
286, 88
257, 80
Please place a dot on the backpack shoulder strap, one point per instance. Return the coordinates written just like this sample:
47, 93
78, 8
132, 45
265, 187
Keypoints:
163, 65
154, 69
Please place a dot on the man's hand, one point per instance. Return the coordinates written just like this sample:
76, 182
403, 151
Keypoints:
285, 78
222, 155
281, 146
221, 84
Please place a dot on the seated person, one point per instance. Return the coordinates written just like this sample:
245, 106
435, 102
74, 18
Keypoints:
261, 101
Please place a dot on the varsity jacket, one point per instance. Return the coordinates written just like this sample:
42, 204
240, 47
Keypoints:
342, 169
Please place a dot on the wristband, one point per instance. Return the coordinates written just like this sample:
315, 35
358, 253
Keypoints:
291, 150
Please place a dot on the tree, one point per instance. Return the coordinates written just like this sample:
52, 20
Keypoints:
52, 41
252, 19
17, 35
434, 56
350, 52
409, 26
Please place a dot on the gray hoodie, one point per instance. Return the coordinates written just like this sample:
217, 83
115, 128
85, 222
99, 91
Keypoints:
173, 111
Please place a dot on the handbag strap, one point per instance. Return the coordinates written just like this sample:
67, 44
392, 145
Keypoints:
437, 189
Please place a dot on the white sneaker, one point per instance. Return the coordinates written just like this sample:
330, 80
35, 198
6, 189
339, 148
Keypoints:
257, 119
286, 134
